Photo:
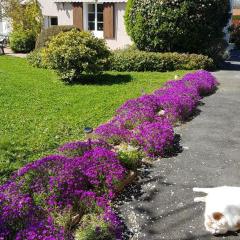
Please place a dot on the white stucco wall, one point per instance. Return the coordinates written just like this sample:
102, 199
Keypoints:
121, 40
64, 12
61, 10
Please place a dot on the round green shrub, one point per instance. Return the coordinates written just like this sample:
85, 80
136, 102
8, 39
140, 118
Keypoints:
180, 25
73, 53
22, 41
48, 33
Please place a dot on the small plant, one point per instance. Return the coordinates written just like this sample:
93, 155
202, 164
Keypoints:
94, 227
73, 53
130, 157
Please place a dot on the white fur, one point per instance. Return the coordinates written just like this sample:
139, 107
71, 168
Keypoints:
224, 200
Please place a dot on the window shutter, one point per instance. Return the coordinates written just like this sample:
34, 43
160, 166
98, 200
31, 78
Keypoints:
108, 20
78, 15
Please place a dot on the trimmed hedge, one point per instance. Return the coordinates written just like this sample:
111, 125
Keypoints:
134, 60
47, 34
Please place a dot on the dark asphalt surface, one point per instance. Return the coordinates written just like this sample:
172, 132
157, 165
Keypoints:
163, 206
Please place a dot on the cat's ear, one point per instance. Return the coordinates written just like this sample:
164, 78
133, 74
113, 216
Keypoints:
217, 216
200, 199
204, 190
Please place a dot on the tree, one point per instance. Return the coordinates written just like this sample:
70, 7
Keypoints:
24, 15
179, 25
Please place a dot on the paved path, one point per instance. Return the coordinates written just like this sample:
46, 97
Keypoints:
211, 157
9, 52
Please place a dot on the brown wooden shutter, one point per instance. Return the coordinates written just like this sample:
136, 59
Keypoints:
108, 20
78, 15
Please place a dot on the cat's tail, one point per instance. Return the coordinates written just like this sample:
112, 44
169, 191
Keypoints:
203, 190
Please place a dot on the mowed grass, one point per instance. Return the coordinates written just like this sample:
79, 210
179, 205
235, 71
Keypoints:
38, 112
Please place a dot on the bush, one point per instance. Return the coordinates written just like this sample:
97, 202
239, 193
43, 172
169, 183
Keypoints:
134, 60
235, 35
35, 58
22, 41
48, 33
73, 53
182, 26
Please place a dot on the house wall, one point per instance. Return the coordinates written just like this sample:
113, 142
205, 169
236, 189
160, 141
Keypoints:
61, 10
122, 39
64, 12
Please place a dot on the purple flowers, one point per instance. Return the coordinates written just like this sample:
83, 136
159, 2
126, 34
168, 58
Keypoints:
56, 183
113, 132
84, 178
155, 138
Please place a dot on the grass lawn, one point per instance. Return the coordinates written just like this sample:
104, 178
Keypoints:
38, 112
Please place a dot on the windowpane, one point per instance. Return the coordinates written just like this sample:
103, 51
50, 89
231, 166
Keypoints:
100, 26
91, 8
100, 17
54, 21
91, 26
91, 17
100, 8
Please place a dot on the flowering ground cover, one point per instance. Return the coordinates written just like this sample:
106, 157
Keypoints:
69, 195
38, 113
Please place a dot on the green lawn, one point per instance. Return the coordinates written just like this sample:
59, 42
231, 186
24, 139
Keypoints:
38, 112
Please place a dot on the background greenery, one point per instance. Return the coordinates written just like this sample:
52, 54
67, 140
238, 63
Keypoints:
178, 26
38, 112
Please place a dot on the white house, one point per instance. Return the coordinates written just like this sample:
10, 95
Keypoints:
105, 18
5, 26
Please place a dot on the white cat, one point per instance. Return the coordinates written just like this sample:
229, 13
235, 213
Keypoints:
222, 212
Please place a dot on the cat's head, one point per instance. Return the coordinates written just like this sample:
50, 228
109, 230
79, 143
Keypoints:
217, 223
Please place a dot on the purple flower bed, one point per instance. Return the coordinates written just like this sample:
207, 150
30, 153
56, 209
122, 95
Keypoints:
84, 178
155, 138
57, 183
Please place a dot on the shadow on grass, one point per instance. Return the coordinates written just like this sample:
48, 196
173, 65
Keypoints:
102, 79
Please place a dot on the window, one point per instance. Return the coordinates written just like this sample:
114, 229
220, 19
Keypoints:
53, 21
95, 17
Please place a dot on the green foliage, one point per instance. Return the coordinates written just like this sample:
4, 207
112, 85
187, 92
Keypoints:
130, 157
181, 26
46, 34
24, 15
35, 58
38, 112
22, 41
73, 53
235, 35
93, 227
135, 60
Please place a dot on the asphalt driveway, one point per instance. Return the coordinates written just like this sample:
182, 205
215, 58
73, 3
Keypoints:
163, 206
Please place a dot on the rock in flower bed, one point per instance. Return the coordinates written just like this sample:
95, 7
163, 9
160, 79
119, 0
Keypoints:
69, 196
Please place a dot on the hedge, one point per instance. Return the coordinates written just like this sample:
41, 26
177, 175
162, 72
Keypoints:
135, 60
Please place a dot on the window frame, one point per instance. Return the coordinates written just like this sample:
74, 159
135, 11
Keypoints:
96, 32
